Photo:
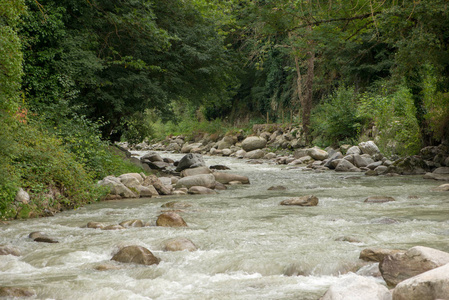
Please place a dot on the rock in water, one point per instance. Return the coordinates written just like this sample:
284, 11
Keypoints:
201, 190
132, 223
8, 250
225, 178
136, 255
378, 199
309, 200
378, 255
190, 161
401, 266
357, 288
430, 285
41, 237
179, 244
206, 180
170, 219
16, 292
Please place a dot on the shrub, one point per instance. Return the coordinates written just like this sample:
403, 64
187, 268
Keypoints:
335, 120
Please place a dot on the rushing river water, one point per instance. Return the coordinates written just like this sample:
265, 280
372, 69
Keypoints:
250, 247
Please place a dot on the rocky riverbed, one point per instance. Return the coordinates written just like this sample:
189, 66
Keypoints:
265, 231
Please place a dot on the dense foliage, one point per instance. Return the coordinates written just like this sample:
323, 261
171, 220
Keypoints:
75, 74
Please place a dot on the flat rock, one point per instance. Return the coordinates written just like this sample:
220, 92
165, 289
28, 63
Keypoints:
201, 190
379, 199
225, 178
136, 255
170, 219
255, 154
152, 180
176, 205
309, 200
147, 191
430, 285
437, 176
219, 167
42, 237
401, 266
190, 161
195, 171
277, 188
206, 180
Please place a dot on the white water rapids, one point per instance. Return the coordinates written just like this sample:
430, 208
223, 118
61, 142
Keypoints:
250, 247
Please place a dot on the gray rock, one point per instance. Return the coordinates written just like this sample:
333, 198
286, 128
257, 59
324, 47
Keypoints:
317, 154
22, 196
377, 254
113, 227
270, 155
381, 170
116, 187
225, 178
430, 285
201, 190
130, 180
255, 154
442, 188
152, 180
309, 200
152, 156
436, 176
401, 266
147, 191
369, 148
190, 161
187, 148
354, 150
360, 161
158, 165
176, 205
136, 255
206, 180
253, 143
300, 153
374, 165
345, 166
195, 171
357, 287
441, 170
240, 153
226, 152
277, 188
334, 156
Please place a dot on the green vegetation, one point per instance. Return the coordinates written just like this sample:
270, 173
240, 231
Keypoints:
76, 75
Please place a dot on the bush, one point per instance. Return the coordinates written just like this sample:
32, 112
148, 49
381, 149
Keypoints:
38, 162
335, 120
394, 115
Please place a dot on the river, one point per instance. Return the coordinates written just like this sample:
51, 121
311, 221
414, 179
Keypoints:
250, 247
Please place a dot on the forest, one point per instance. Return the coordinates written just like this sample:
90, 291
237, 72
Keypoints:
78, 75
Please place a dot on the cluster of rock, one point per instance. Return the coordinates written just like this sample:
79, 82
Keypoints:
419, 273
269, 140
190, 176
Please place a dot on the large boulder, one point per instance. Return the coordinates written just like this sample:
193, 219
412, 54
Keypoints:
170, 219
206, 180
152, 157
369, 148
317, 153
353, 150
346, 166
357, 287
179, 244
147, 191
195, 171
408, 166
255, 154
116, 187
136, 255
225, 178
190, 161
22, 196
131, 180
401, 266
309, 200
152, 180
187, 148
253, 142
430, 285
41, 237
442, 188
